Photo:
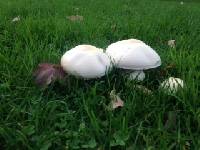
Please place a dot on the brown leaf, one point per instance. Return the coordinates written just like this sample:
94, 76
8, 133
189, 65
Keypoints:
59, 72
116, 101
46, 73
75, 18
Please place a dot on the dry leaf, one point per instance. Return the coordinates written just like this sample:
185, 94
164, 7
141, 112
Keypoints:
75, 18
47, 73
171, 43
115, 100
16, 19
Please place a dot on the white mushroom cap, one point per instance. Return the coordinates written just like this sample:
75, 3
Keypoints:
172, 85
85, 61
133, 54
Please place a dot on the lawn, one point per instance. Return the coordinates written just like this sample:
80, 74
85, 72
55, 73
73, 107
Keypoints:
73, 114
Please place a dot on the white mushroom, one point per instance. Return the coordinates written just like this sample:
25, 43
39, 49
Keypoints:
172, 85
134, 55
171, 43
85, 61
16, 19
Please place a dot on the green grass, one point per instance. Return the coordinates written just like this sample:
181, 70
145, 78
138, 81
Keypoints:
72, 115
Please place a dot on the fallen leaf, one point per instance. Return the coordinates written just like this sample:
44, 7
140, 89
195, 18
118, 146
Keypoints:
47, 73
16, 19
59, 72
171, 43
75, 18
116, 101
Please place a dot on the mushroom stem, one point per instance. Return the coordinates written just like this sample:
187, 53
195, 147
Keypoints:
138, 75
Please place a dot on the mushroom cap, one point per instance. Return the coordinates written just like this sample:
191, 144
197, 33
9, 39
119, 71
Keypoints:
85, 61
172, 84
133, 54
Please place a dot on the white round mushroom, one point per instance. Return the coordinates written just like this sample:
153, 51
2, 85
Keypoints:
172, 85
85, 61
133, 54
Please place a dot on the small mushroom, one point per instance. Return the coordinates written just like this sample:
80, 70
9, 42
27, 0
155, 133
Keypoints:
16, 19
171, 43
172, 85
85, 61
133, 55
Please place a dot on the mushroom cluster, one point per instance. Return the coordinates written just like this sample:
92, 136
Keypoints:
89, 62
